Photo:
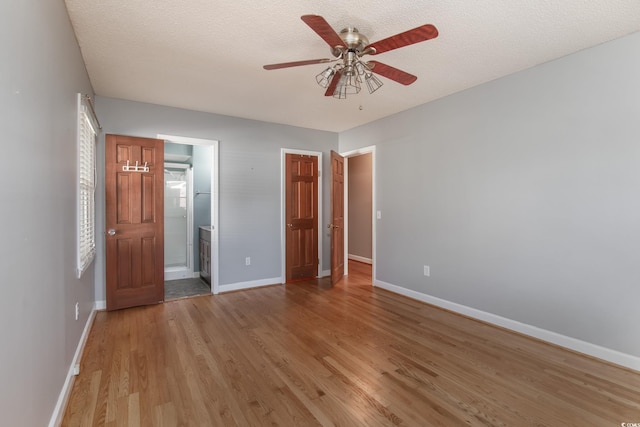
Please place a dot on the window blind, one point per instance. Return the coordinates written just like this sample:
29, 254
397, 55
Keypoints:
86, 186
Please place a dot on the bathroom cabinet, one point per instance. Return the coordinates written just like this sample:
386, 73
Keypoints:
205, 253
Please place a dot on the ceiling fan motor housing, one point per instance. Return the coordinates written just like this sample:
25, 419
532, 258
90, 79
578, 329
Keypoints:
353, 40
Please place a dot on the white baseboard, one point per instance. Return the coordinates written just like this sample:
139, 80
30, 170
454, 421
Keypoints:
324, 273
248, 285
574, 344
361, 259
74, 369
101, 305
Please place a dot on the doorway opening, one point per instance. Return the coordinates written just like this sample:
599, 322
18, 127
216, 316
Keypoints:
191, 216
360, 214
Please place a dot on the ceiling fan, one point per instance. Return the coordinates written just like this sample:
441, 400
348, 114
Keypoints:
348, 47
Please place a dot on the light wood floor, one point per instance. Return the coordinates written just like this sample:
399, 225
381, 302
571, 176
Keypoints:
352, 355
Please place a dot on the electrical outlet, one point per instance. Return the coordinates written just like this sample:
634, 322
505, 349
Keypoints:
247, 261
77, 311
427, 271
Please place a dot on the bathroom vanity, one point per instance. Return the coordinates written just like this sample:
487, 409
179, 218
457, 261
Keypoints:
205, 253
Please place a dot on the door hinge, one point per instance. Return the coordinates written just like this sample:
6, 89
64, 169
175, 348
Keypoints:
318, 261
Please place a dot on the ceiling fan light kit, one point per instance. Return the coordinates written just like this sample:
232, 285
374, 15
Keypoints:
324, 78
373, 83
347, 75
354, 71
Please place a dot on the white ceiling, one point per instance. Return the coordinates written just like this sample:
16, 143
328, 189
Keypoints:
207, 55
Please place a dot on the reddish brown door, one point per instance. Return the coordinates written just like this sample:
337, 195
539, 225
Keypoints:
302, 217
134, 221
337, 217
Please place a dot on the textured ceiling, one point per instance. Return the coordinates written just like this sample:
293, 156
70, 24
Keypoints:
207, 55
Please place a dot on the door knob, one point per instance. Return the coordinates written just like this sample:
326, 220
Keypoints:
111, 232
290, 225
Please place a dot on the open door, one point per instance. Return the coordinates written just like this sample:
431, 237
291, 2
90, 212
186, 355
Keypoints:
134, 178
337, 217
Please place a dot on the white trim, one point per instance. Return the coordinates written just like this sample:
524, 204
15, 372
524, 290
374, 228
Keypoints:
345, 213
325, 273
215, 200
609, 355
215, 211
353, 153
74, 369
251, 284
360, 259
283, 208
100, 305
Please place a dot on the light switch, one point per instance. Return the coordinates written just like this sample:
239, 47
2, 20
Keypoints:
379, 214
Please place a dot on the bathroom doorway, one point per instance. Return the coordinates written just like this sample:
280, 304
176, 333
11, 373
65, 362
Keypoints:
191, 190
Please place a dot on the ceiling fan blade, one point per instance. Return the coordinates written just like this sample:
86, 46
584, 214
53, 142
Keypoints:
323, 29
296, 64
334, 83
417, 35
392, 73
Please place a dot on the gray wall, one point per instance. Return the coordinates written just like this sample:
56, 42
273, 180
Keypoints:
41, 71
360, 200
523, 195
250, 179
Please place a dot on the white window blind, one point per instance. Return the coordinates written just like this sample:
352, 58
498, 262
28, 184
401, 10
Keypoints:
86, 185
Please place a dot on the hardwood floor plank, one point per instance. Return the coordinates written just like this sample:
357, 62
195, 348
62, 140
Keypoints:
308, 354
86, 415
164, 416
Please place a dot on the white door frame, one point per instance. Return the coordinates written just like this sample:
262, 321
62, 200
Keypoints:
215, 195
283, 210
353, 153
